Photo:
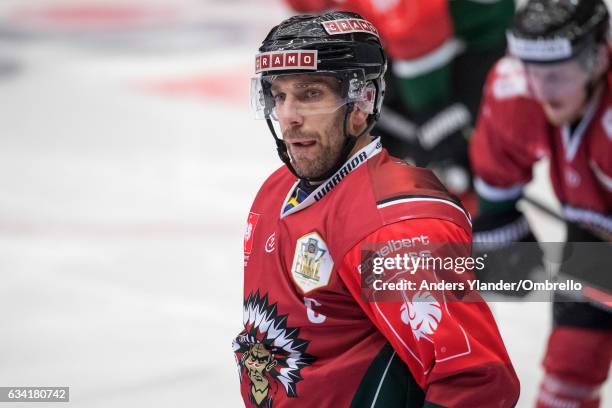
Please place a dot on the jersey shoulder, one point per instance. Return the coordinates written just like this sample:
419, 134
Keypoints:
403, 191
507, 80
507, 86
508, 105
391, 177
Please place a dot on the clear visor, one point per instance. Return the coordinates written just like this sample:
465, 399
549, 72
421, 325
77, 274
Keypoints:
309, 94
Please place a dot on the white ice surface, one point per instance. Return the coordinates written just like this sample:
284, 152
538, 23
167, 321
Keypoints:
122, 213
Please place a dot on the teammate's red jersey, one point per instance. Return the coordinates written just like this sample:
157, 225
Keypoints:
409, 28
310, 339
512, 133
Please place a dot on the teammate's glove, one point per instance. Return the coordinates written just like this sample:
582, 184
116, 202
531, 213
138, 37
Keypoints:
444, 139
502, 238
435, 141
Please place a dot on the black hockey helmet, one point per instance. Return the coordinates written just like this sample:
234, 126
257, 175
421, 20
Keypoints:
549, 31
343, 40
338, 43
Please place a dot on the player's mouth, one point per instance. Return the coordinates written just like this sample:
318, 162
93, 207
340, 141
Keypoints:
555, 105
302, 145
303, 142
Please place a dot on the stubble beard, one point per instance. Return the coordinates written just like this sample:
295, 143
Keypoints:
326, 157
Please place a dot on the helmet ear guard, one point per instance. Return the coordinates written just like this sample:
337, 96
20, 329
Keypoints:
367, 97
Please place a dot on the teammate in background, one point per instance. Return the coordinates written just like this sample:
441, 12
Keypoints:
441, 52
310, 338
553, 98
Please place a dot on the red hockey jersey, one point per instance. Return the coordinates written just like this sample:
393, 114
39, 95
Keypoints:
409, 28
512, 133
310, 338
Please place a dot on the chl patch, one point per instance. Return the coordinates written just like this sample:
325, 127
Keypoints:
290, 59
351, 25
312, 264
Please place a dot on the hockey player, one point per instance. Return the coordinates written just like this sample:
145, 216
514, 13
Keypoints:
441, 52
553, 98
311, 338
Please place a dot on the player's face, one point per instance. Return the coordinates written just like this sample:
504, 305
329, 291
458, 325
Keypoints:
311, 122
560, 88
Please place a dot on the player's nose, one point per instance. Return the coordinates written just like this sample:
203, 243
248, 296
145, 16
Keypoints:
289, 112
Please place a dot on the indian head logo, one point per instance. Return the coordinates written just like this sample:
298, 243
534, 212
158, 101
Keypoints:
422, 313
312, 265
269, 354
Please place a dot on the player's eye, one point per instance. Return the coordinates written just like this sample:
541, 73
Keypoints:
313, 93
279, 97
309, 95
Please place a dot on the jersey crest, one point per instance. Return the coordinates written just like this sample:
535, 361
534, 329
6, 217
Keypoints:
268, 352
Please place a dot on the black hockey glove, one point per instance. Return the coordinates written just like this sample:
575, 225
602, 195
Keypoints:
510, 249
437, 141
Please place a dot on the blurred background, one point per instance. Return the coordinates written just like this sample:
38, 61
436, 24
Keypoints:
128, 162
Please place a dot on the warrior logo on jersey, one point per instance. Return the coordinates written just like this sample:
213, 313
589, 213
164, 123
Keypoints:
312, 264
423, 314
268, 352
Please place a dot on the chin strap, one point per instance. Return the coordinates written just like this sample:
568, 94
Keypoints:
281, 148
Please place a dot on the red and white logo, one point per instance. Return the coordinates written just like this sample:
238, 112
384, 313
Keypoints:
271, 243
352, 25
291, 59
250, 231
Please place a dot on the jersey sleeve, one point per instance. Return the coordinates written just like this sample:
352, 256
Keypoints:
509, 133
458, 358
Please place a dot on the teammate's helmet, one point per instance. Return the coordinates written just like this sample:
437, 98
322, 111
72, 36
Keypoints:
549, 31
337, 43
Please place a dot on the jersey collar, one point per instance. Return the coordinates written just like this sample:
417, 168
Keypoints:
353, 162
